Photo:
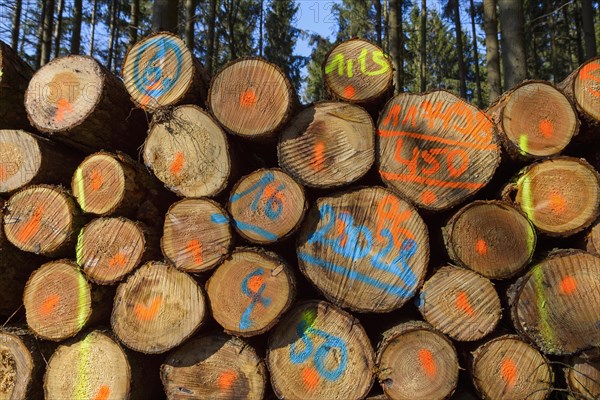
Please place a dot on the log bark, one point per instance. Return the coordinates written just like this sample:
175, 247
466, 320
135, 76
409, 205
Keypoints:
507, 368
582, 86
555, 304
189, 152
161, 72
108, 249
267, 206
328, 145
252, 98
13, 85
157, 308
73, 99
460, 303
435, 149
214, 366
414, 361
366, 250
492, 238
319, 351
592, 239
583, 378
250, 291
534, 120
26, 159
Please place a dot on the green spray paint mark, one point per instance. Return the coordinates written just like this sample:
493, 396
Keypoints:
545, 328
309, 317
79, 180
527, 197
82, 292
79, 248
523, 143
82, 381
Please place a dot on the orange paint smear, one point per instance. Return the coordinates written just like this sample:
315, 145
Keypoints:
558, 203
103, 393
319, 156
226, 380
428, 362
148, 313
349, 92
63, 106
508, 370
270, 191
310, 377
428, 197
195, 247
586, 73
248, 98
96, 180
3, 173
546, 128
119, 260
32, 226
177, 164
49, 304
481, 247
568, 285
462, 303
340, 231
255, 283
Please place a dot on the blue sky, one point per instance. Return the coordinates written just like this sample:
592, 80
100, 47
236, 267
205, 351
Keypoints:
315, 16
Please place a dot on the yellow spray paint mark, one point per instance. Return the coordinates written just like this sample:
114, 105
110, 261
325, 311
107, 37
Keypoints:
523, 144
80, 187
545, 328
82, 380
527, 197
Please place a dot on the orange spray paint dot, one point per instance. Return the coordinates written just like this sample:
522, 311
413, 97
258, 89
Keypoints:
177, 164
546, 128
428, 197
310, 377
427, 362
318, 156
96, 180
195, 247
462, 303
248, 98
508, 370
3, 173
103, 393
226, 380
481, 247
32, 226
349, 92
63, 106
568, 285
119, 260
558, 203
255, 282
147, 313
49, 304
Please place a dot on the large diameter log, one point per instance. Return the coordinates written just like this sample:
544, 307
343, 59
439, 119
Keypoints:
14, 79
319, 351
157, 308
561, 196
160, 71
507, 368
583, 87
188, 151
196, 235
366, 249
42, 219
328, 145
26, 159
110, 248
555, 305
414, 361
460, 303
492, 238
215, 367
267, 206
250, 291
357, 71
79, 102
251, 98
435, 148
534, 120
583, 378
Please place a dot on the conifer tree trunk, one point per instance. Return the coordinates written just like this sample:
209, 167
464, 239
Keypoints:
491, 48
396, 45
164, 16
16, 24
260, 28
111, 40
553, 55
93, 33
134, 22
39, 34
462, 78
423, 44
475, 54
76, 32
190, 9
513, 42
58, 30
48, 21
589, 36
212, 17
378, 24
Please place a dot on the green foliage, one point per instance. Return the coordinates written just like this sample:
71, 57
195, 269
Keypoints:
315, 90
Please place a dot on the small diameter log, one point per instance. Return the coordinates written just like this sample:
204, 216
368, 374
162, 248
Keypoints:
328, 145
197, 235
160, 72
250, 291
592, 239
215, 367
492, 238
320, 352
561, 196
110, 248
534, 120
357, 71
267, 206
507, 368
583, 87
460, 303
583, 378
13, 85
366, 250
555, 305
26, 159
43, 220
251, 98
414, 361
157, 308
188, 152
435, 148
79, 102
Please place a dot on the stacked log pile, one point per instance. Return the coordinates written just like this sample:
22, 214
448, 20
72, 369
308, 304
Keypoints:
244, 246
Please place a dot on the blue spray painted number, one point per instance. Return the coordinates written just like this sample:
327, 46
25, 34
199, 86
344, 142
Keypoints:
149, 78
320, 354
255, 296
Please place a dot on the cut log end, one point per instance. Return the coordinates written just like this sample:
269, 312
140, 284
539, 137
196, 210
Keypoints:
460, 303
57, 300
328, 145
197, 235
586, 88
319, 351
16, 367
583, 378
507, 368
435, 148
357, 71
188, 152
251, 98
214, 367
267, 206
250, 291
366, 250
157, 308
93, 367
20, 159
491, 238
